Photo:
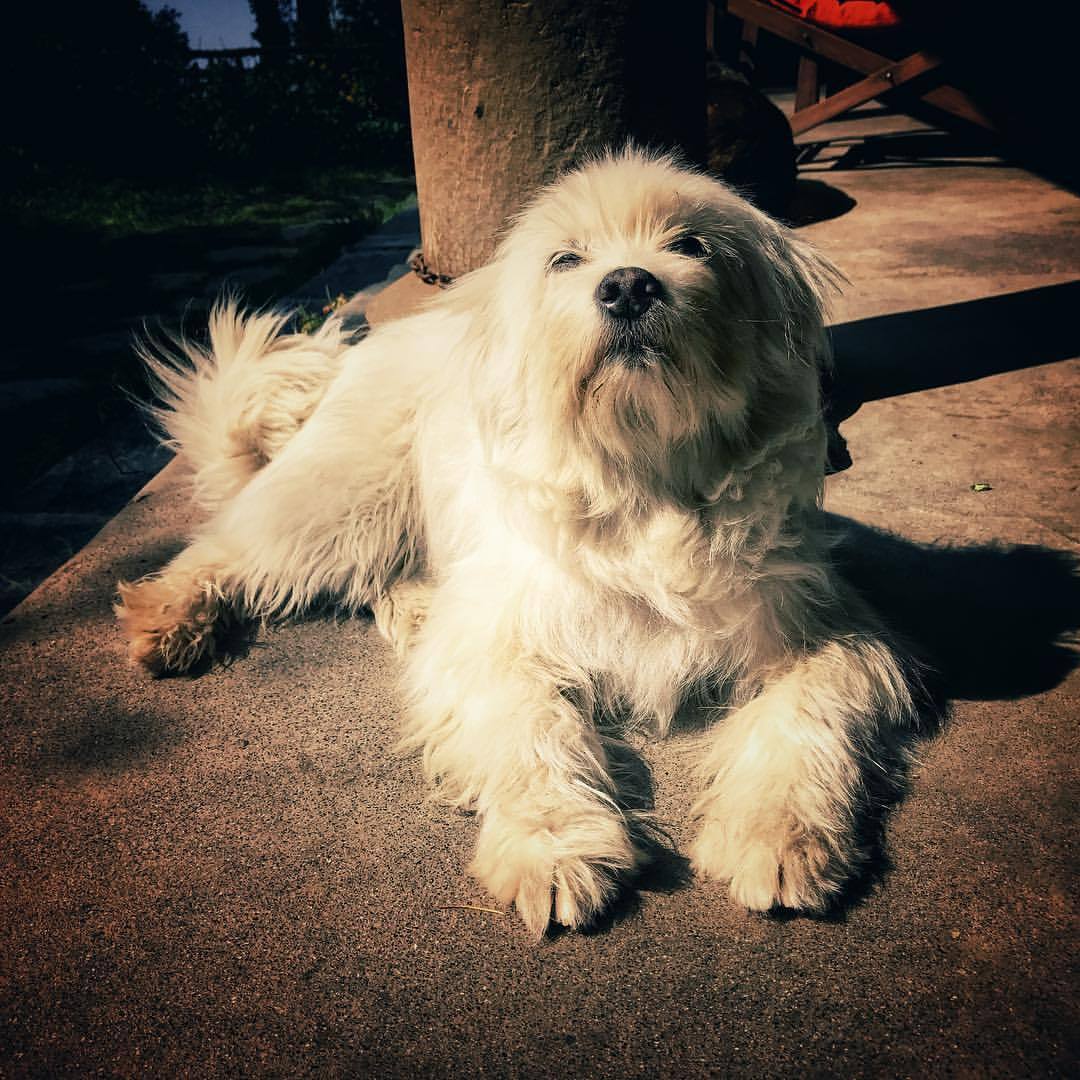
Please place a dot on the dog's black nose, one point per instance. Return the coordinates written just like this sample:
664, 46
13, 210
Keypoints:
627, 293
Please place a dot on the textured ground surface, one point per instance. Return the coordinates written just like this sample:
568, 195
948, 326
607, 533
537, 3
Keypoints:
233, 874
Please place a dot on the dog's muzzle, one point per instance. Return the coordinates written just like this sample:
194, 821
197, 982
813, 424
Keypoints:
631, 300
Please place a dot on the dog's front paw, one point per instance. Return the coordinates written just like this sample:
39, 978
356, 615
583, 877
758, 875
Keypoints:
170, 627
561, 865
775, 860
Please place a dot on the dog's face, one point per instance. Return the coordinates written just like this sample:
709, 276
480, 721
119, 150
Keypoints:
649, 303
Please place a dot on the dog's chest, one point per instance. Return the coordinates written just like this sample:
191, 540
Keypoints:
691, 566
662, 610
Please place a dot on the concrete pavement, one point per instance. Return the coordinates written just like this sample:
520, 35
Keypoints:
233, 875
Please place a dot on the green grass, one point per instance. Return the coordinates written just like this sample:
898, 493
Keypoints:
121, 209
88, 255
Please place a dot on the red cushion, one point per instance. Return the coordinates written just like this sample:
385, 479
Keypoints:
842, 14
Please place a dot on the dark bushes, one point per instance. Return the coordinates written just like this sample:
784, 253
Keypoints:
110, 90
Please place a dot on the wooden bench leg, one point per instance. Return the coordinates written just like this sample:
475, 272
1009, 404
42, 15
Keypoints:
807, 87
874, 85
748, 45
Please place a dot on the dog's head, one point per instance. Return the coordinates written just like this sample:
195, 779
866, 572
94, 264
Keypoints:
644, 306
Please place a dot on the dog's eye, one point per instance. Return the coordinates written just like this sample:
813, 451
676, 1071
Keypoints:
565, 260
690, 246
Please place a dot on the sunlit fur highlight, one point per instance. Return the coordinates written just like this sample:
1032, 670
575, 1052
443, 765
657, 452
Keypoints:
557, 521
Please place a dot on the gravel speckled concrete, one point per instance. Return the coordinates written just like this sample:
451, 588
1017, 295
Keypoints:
233, 874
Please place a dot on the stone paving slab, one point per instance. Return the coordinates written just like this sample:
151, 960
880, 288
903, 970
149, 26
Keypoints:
234, 875
362, 271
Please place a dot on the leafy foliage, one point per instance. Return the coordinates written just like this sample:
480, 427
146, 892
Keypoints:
110, 90
92, 83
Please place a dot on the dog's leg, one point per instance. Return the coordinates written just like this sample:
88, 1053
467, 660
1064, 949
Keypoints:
787, 775
500, 733
333, 516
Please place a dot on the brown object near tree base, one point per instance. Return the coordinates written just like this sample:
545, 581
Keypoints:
503, 96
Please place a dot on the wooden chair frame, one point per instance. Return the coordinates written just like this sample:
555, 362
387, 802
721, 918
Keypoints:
880, 73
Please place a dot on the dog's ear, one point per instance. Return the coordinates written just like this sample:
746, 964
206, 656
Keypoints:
803, 285
816, 275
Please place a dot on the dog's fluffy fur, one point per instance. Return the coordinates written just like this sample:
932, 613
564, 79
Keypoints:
556, 516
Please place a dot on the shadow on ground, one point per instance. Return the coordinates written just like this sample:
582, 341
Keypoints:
990, 622
815, 201
105, 736
896, 354
916, 350
909, 149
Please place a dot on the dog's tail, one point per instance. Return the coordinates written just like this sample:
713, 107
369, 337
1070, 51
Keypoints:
230, 408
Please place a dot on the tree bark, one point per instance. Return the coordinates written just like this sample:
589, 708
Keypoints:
503, 95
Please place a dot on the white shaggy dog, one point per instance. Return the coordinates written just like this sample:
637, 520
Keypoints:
583, 482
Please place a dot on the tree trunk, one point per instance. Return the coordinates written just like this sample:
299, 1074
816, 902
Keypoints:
503, 95
271, 29
313, 24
